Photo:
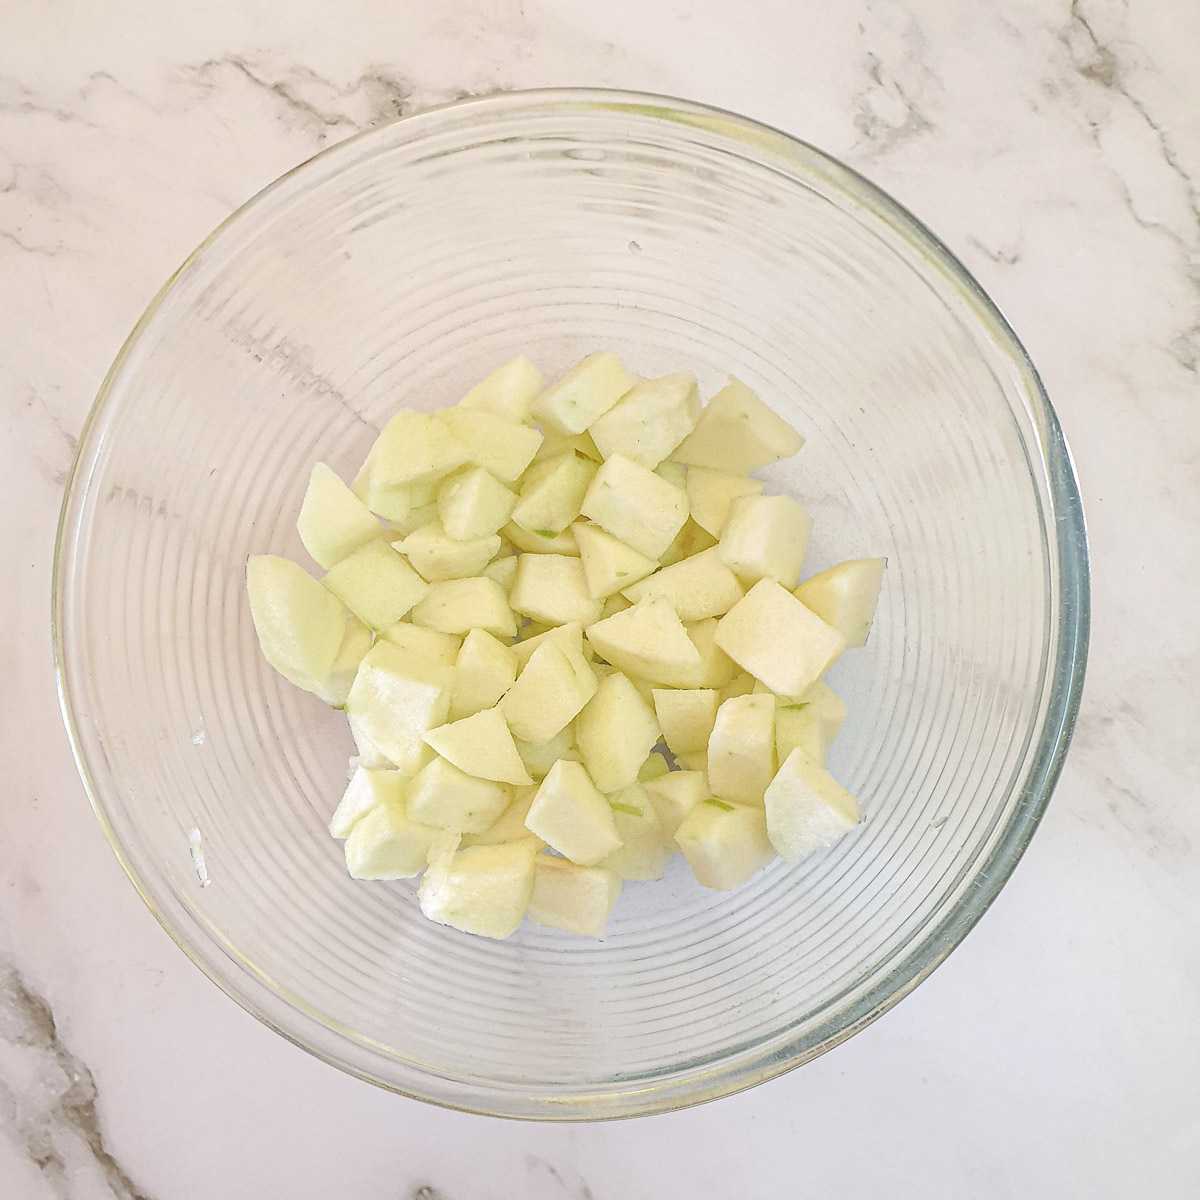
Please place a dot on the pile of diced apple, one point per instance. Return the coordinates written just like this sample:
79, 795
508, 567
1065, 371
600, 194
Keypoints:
568, 630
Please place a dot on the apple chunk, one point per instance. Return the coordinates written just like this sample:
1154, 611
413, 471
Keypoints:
807, 809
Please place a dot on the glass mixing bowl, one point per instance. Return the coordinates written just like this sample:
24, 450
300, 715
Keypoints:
397, 269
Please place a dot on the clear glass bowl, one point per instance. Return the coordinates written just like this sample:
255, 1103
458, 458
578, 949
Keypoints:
396, 269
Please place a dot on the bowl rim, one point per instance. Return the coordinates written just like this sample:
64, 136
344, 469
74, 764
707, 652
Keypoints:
1066, 543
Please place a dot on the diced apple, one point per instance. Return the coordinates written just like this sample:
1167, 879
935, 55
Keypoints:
615, 732
800, 726
829, 704
737, 432
333, 521
554, 444
355, 644
649, 420
648, 641
460, 605
396, 697
539, 757
773, 636
553, 588
502, 447
474, 504
414, 447
674, 796
654, 766
845, 596
385, 843
725, 844
300, 625
765, 538
509, 826
376, 584
446, 797
428, 643
437, 556
549, 692
643, 852
570, 634
483, 889
507, 391
686, 716
711, 492
483, 671
807, 809
608, 564
503, 571
366, 789
481, 745
636, 506
741, 750
691, 539
545, 542
576, 899
585, 392
413, 517
369, 754
551, 494
741, 684
716, 668
571, 815
698, 587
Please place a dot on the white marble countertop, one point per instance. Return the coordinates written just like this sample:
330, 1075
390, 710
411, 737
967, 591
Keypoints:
1056, 147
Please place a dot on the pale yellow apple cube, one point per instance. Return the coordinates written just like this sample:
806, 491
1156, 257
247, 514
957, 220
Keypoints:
647, 641
414, 447
800, 726
552, 588
572, 898
552, 687
649, 420
503, 447
539, 757
442, 795
437, 556
711, 492
551, 493
807, 809
636, 506
715, 668
674, 796
508, 391
484, 670
686, 717
483, 890
643, 852
503, 570
301, 626
765, 537
460, 605
376, 584
571, 815
437, 647
544, 541
737, 432
481, 745
616, 730
333, 521
773, 636
366, 789
569, 634
335, 690
385, 843
608, 564
725, 844
829, 704
474, 504
395, 698
697, 587
845, 596
509, 826
741, 749
589, 389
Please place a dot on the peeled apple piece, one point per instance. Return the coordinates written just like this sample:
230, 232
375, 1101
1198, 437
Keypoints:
697, 587
845, 596
807, 809
738, 433
335, 690
333, 521
575, 899
636, 506
674, 796
414, 447
385, 843
300, 624
437, 556
502, 447
445, 797
829, 704
643, 853
366, 789
481, 889
571, 815
765, 537
482, 746
553, 588
741, 749
773, 636
474, 504
460, 605
686, 716
551, 493
549, 692
589, 389
376, 584
507, 391
428, 643
724, 844
710, 493
608, 564
483, 671
616, 730
799, 726
649, 641
649, 420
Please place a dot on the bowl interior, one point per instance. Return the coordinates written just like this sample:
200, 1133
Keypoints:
399, 268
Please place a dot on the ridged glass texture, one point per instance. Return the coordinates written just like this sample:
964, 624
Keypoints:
397, 269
